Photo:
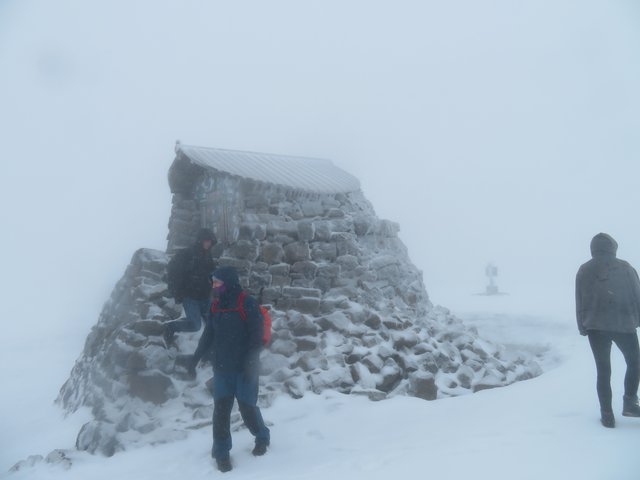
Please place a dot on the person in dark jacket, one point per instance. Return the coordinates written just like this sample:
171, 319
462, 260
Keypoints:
233, 345
188, 281
608, 311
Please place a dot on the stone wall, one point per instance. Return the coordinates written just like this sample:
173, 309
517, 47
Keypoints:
350, 313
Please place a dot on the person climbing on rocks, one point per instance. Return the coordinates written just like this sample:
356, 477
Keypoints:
188, 282
232, 340
608, 311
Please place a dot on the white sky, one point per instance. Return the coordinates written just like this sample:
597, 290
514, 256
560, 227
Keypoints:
493, 130
490, 130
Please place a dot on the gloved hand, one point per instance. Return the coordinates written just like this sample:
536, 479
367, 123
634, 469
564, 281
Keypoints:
251, 369
178, 299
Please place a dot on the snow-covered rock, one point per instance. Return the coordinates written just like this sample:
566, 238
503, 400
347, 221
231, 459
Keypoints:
350, 313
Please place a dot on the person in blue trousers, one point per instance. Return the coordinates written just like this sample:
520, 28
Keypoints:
188, 282
232, 340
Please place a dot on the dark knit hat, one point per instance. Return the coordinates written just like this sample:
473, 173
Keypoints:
228, 275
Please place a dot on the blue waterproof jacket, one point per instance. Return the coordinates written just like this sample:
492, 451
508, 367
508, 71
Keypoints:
231, 342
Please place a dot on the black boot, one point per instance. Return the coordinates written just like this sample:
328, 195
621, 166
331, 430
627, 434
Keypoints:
168, 335
630, 407
224, 464
607, 419
260, 449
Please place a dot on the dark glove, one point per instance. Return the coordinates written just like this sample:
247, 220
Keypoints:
250, 370
178, 299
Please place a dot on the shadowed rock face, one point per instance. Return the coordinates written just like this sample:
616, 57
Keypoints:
350, 313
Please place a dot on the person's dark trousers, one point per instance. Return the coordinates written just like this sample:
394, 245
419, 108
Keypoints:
196, 312
600, 342
226, 388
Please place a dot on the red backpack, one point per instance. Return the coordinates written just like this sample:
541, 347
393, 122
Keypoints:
266, 317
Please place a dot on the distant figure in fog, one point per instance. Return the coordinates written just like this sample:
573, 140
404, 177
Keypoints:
608, 311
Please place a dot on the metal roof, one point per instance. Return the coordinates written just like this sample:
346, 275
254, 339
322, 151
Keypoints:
298, 173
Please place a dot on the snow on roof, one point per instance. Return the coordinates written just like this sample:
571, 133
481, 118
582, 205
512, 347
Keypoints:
299, 173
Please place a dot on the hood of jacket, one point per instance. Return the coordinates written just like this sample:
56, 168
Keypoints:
603, 245
229, 275
206, 234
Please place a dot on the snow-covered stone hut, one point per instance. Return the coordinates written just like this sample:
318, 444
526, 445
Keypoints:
290, 224
350, 310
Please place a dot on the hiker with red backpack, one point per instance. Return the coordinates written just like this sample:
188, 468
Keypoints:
232, 339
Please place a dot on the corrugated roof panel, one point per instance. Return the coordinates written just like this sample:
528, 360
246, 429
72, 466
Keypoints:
299, 173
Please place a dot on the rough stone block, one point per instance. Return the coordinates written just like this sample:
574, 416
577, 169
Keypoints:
404, 339
297, 386
342, 225
323, 231
382, 261
373, 320
246, 231
298, 280
306, 344
151, 387
310, 361
271, 294
347, 262
283, 239
333, 378
136, 362
302, 326
391, 377
283, 347
245, 250
387, 228
280, 282
259, 280
306, 231
272, 362
294, 292
260, 267
307, 305
337, 321
280, 270
297, 252
289, 229
363, 224
423, 385
148, 327
347, 245
272, 253
324, 251
322, 283
464, 376
362, 376
243, 266
373, 362
307, 269
98, 437
312, 209
260, 232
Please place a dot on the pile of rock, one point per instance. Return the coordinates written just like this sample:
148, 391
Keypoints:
350, 313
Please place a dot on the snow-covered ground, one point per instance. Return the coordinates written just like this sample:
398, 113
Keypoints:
545, 428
